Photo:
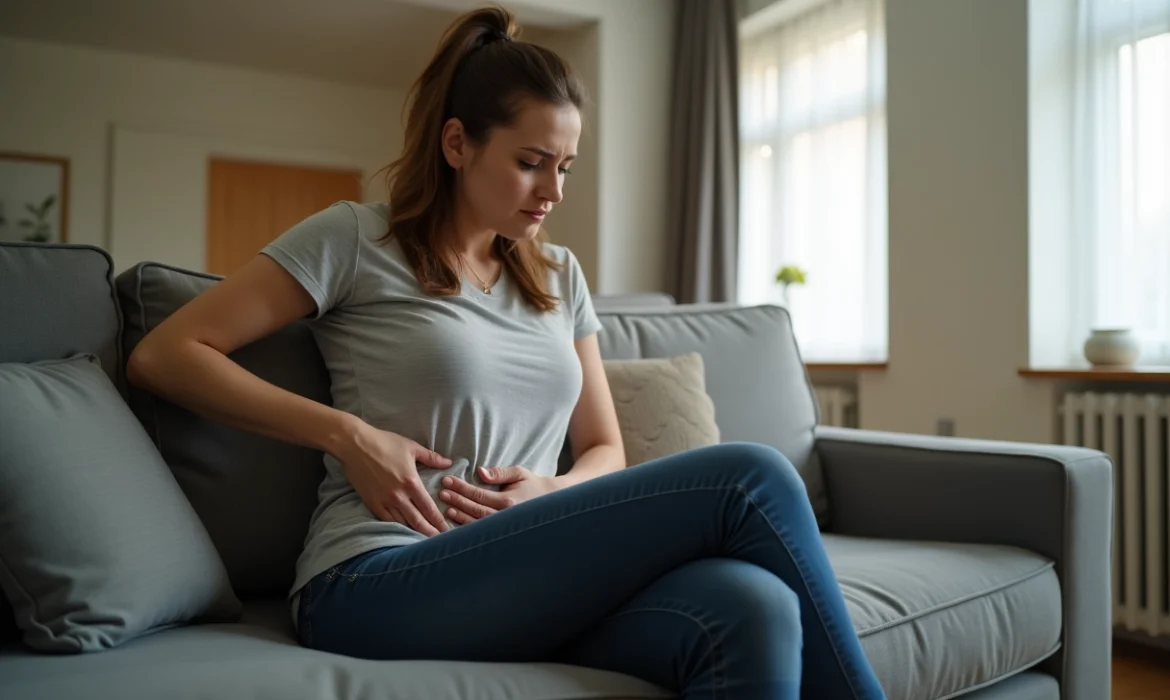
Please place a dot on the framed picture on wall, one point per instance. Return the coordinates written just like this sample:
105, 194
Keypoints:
34, 198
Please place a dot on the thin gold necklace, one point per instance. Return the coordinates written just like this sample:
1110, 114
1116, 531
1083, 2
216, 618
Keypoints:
487, 289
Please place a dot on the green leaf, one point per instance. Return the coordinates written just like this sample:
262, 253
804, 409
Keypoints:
47, 204
791, 274
26, 222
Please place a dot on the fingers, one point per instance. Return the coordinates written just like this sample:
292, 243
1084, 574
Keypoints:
407, 513
491, 499
426, 507
465, 505
431, 458
502, 475
460, 517
414, 519
384, 513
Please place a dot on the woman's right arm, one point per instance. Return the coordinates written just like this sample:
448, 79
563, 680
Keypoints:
185, 360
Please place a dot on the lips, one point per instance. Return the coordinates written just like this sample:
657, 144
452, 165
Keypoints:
535, 215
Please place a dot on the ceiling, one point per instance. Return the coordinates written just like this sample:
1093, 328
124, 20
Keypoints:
380, 43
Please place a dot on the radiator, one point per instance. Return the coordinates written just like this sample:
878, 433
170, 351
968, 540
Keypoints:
1132, 429
838, 406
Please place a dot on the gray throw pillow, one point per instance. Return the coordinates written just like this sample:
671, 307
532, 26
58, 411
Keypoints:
97, 543
662, 406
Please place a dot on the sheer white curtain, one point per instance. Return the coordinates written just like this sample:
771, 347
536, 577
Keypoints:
1121, 174
813, 184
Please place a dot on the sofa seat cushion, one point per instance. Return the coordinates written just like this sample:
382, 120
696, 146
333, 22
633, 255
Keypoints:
940, 619
258, 657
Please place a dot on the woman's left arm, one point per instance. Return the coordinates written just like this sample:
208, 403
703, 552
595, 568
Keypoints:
593, 427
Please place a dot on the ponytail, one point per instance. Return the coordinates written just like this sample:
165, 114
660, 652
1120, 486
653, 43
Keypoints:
476, 75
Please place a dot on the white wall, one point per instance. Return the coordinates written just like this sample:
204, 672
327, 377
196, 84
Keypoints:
958, 224
138, 129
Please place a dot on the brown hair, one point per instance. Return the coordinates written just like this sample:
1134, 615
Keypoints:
480, 75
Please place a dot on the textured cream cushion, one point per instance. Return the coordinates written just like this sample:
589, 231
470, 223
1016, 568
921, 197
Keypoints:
662, 406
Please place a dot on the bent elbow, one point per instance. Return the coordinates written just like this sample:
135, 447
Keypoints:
140, 365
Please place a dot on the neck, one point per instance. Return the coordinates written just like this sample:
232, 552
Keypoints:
471, 240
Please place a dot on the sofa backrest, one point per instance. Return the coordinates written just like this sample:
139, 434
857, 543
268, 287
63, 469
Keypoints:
754, 372
57, 300
256, 495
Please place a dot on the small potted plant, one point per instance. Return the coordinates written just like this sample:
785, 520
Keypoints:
788, 276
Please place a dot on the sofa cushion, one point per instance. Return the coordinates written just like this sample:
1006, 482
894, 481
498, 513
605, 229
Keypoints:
97, 543
754, 373
938, 619
56, 300
254, 494
259, 658
662, 406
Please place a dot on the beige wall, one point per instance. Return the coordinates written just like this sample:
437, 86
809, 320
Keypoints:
161, 117
634, 48
138, 129
958, 224
575, 222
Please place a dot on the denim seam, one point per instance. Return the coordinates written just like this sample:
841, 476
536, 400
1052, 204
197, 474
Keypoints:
306, 617
816, 600
718, 670
547, 522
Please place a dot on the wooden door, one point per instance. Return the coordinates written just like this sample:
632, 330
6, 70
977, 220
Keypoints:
249, 204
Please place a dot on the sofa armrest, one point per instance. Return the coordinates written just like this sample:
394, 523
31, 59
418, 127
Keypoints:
1054, 500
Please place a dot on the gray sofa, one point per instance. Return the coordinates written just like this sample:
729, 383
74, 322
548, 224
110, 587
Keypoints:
971, 568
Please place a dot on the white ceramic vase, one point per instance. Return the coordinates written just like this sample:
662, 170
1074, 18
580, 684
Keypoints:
1112, 347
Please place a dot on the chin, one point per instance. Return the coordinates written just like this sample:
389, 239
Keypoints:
520, 233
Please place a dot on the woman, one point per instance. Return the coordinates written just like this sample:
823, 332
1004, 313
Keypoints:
457, 340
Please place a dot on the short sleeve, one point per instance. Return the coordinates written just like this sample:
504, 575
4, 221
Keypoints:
585, 321
321, 253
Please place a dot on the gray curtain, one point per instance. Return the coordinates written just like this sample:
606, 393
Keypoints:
704, 145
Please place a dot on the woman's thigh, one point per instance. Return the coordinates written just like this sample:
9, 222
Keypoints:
532, 578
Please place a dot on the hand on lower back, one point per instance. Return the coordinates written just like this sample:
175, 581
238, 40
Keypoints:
382, 468
468, 502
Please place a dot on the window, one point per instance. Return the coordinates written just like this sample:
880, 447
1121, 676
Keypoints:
1121, 174
813, 160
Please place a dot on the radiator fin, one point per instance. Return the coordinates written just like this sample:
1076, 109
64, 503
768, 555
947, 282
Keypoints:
838, 406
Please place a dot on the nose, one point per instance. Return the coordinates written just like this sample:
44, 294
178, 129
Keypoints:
550, 188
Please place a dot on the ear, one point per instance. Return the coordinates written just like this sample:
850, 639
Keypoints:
455, 145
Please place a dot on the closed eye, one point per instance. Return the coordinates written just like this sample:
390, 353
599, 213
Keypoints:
525, 165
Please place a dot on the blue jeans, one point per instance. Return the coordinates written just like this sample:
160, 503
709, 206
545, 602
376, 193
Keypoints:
703, 573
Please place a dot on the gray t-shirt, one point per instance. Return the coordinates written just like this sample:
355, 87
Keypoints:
483, 379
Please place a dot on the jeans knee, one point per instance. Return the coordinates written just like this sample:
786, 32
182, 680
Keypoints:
762, 613
765, 463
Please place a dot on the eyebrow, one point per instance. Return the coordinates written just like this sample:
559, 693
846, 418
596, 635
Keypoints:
546, 154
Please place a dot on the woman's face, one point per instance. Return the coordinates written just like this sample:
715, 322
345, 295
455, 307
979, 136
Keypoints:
510, 183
